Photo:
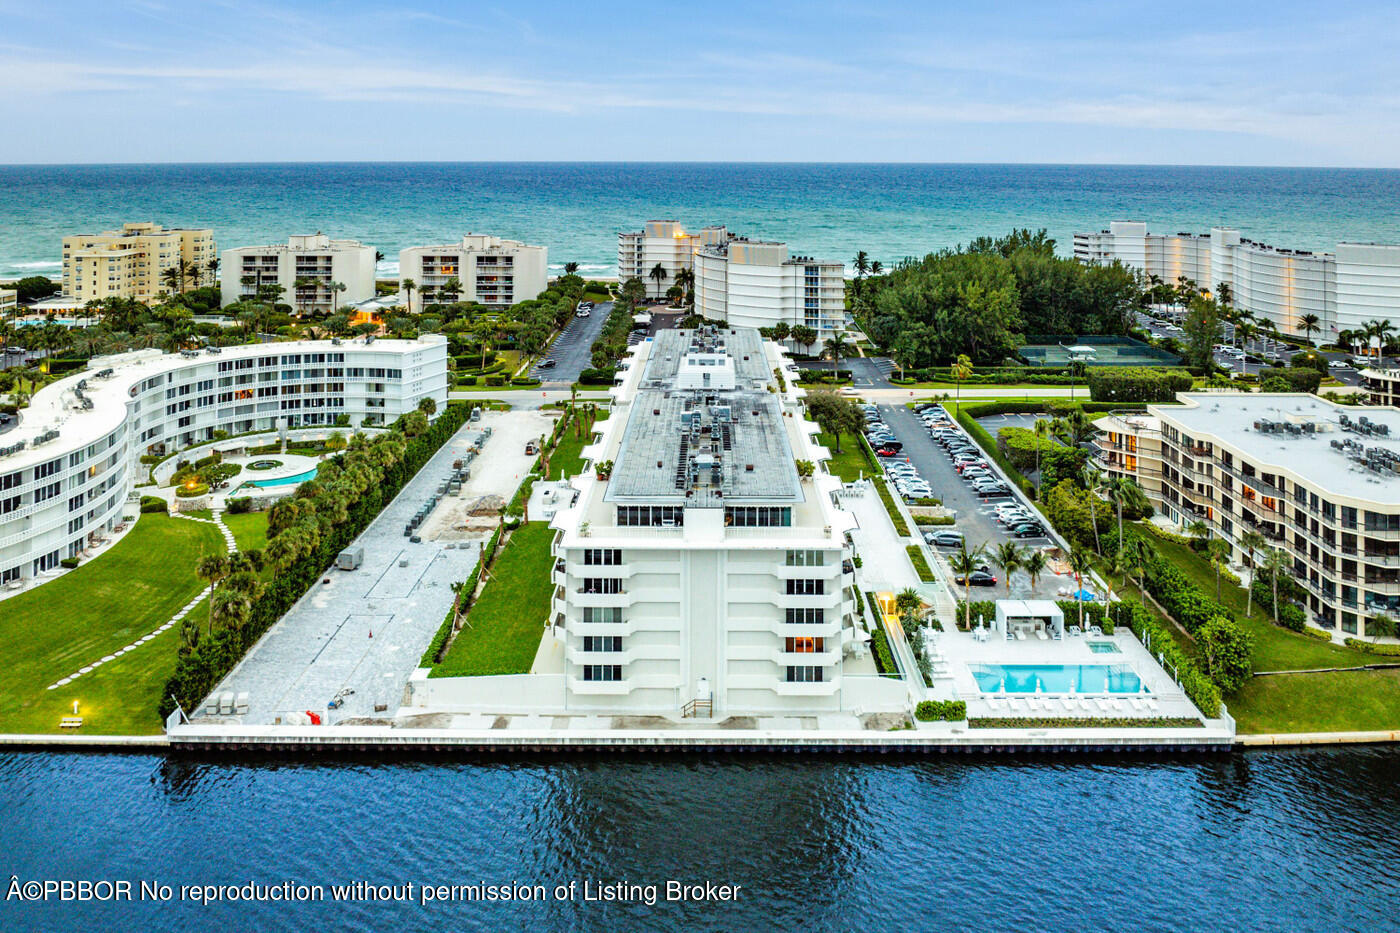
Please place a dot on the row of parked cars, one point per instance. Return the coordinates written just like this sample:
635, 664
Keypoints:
902, 475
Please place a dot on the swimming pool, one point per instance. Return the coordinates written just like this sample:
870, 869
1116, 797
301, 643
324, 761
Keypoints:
1103, 647
283, 481
1056, 678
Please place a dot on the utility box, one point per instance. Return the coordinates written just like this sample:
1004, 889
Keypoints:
351, 558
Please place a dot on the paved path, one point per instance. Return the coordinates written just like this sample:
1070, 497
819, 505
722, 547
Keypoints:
572, 350
173, 621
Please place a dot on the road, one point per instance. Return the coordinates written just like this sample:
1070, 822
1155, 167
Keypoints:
975, 516
572, 350
1264, 348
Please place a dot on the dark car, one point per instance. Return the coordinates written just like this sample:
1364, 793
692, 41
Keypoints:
978, 578
1028, 530
547, 364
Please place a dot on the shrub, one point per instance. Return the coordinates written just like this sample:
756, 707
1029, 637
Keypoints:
941, 711
1387, 650
880, 650
1137, 383
68, 563
597, 377
1066, 722
916, 557
466, 380
240, 505
151, 504
900, 526
1021, 446
186, 491
1201, 690
935, 520
495, 380
1299, 379
524, 381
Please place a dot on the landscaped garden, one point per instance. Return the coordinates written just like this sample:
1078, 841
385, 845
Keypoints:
505, 624
105, 604
850, 463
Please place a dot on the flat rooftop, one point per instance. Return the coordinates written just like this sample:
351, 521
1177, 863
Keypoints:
705, 446
1309, 454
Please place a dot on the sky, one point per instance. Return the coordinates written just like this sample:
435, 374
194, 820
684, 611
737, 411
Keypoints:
1242, 83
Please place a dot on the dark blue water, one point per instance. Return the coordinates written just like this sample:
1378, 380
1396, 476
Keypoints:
576, 209
1261, 841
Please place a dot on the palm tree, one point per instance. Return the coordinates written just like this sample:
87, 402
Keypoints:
659, 275
961, 369
408, 285
1093, 481
335, 289
1041, 431
1122, 490
1081, 563
1139, 558
1114, 565
861, 264
451, 290
963, 563
781, 331
1034, 564
212, 267
1010, 559
301, 287
685, 280
570, 268
212, 568
836, 347
171, 277
1251, 541
1219, 553
1276, 564
908, 601
1198, 529
1309, 324
876, 267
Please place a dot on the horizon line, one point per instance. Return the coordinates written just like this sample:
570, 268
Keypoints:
756, 162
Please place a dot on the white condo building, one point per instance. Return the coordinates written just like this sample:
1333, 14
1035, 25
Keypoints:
490, 270
1358, 283
757, 284
67, 469
316, 260
703, 569
665, 243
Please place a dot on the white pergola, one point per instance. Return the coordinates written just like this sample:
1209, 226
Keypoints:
1028, 617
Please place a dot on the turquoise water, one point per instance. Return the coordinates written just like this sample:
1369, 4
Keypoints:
576, 209
282, 481
1055, 678
1103, 647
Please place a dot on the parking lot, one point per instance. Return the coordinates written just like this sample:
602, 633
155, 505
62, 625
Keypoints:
976, 515
572, 350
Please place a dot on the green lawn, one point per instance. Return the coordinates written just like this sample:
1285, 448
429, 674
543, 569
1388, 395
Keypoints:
1344, 701
849, 464
105, 604
566, 459
249, 529
504, 627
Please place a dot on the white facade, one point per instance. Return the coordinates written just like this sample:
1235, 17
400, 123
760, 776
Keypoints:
67, 469
703, 567
491, 271
316, 260
665, 243
9, 302
1358, 283
757, 284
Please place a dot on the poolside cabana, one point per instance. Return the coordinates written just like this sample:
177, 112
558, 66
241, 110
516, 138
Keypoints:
1028, 618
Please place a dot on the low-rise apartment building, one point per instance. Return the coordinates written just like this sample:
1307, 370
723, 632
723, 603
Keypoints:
696, 572
135, 262
67, 469
1317, 479
1130, 445
749, 283
9, 302
315, 272
486, 269
1383, 385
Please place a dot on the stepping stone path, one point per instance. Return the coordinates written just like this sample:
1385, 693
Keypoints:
174, 620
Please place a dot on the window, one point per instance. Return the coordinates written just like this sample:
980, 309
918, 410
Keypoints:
650, 515
603, 672
806, 616
45, 493
806, 587
804, 675
602, 585
744, 516
805, 558
804, 644
48, 469
602, 557
602, 614
602, 643
11, 503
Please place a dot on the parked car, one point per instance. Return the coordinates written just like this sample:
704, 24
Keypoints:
978, 578
944, 538
582, 312
547, 363
886, 452
1028, 530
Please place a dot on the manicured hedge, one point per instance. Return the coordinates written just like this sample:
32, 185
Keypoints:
154, 504
1067, 722
1199, 688
916, 557
1370, 647
1137, 384
1299, 378
941, 711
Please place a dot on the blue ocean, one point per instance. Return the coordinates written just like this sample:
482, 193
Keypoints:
825, 210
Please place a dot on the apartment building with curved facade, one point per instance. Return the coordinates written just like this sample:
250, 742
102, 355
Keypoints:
703, 574
67, 469
1319, 480
753, 283
1358, 283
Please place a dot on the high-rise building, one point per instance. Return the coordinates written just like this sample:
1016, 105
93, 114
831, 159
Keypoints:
487, 269
698, 570
136, 262
315, 272
1345, 290
757, 284
663, 243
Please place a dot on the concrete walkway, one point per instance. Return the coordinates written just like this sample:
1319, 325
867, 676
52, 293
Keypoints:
173, 621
